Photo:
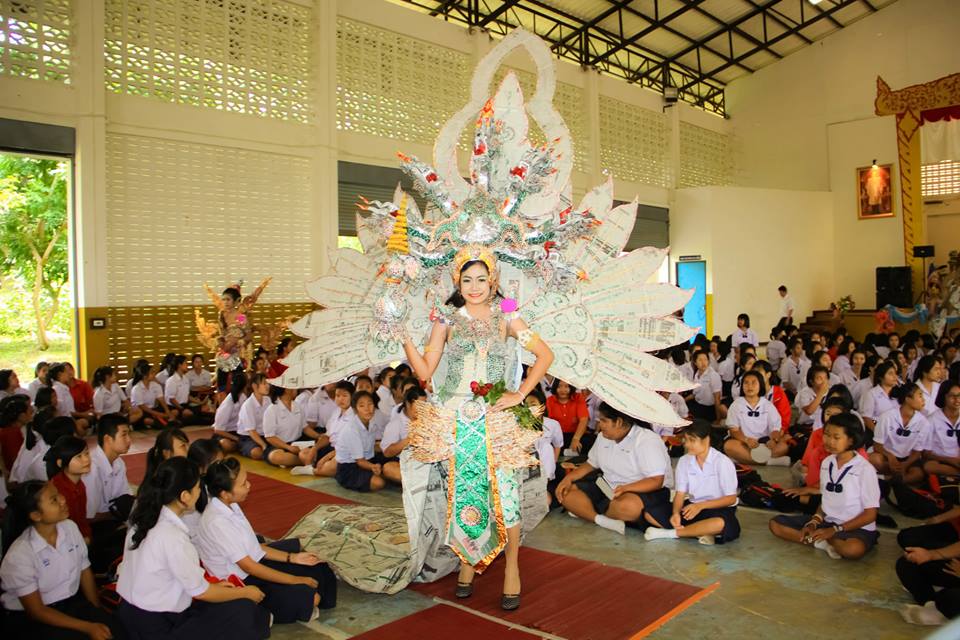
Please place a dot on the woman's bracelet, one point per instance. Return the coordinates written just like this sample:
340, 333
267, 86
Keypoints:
288, 557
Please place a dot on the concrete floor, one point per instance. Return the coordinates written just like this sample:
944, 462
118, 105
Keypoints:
767, 586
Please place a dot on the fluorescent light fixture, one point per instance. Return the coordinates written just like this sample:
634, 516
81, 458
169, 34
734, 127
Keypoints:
814, 1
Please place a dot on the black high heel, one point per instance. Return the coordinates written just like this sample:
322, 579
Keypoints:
464, 589
509, 602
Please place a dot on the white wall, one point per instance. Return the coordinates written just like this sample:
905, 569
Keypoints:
737, 230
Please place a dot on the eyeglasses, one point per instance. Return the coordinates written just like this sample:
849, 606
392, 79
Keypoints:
834, 486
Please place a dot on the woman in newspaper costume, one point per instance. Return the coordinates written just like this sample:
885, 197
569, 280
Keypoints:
572, 306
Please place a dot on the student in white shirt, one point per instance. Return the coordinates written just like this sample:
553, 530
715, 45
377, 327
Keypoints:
108, 495
704, 401
160, 579
793, 369
746, 364
294, 582
310, 414
228, 413
147, 395
283, 424
201, 380
811, 395
10, 384
845, 524
387, 403
942, 449
548, 446
250, 421
743, 333
755, 426
108, 397
166, 369
786, 307
204, 452
705, 504
40, 380
176, 390
358, 466
326, 459
900, 437
395, 434
30, 463
852, 374
65, 407
48, 586
822, 358
635, 465
877, 400
927, 375
776, 349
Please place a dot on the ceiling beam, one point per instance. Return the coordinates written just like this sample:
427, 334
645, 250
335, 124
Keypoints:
653, 26
505, 5
775, 15
614, 7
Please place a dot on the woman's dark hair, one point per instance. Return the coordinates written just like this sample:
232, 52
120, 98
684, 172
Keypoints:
814, 370
23, 501
746, 320
556, 385
54, 372
829, 403
415, 393
871, 363
12, 407
924, 366
100, 376
257, 378
40, 367
678, 356
359, 395
699, 429
851, 427
794, 342
283, 344
346, 385
363, 377
276, 393
5, 375
946, 387
537, 393
881, 370
456, 298
62, 452
203, 452
175, 364
56, 428
613, 414
233, 292
238, 382
403, 369
220, 476
167, 363
170, 479
818, 358
759, 378
841, 392
44, 398
386, 371
164, 442
140, 371
904, 391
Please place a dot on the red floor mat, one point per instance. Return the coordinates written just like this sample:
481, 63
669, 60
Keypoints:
439, 621
576, 599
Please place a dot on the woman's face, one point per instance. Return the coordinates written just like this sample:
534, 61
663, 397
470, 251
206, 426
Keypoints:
890, 378
701, 362
563, 391
475, 284
14, 382
857, 360
42, 375
951, 402
365, 409
740, 323
914, 400
836, 440
241, 486
262, 388
695, 446
228, 301
197, 364
80, 463
894, 341
51, 506
751, 387
611, 429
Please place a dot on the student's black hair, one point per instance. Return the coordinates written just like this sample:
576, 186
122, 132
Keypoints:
56, 428
403, 369
54, 372
881, 370
851, 427
346, 385
815, 369
759, 378
233, 292
175, 364
614, 414
766, 367
954, 371
698, 428
893, 335
782, 287
359, 395
109, 425
21, 502
62, 452
383, 374
12, 407
858, 350
170, 479
556, 385
678, 356
195, 356
221, 476
777, 332
5, 375
537, 393
840, 391
818, 356
829, 403
415, 393
258, 378
282, 345
167, 363
871, 363
276, 393
203, 451
362, 377
723, 349
904, 391
746, 320
100, 376
793, 344
238, 382
140, 371
456, 298
945, 387
744, 348
40, 367
924, 365
396, 382
164, 442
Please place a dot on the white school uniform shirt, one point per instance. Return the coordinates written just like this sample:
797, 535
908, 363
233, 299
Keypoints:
33, 387
739, 336
162, 377
776, 352
65, 406
912, 368
105, 481
717, 478
804, 397
551, 436
303, 401
142, 395
943, 438
841, 364
593, 404
793, 374
32, 565
687, 370
108, 400
714, 363
163, 574
849, 378
30, 464
929, 399
727, 368
786, 306
901, 445
226, 537
875, 402
378, 425
228, 413
397, 429
859, 388
335, 424
861, 490
386, 398
19, 391
754, 422
354, 441
251, 415
710, 384
203, 378
286, 424
323, 407
177, 387
641, 454
680, 406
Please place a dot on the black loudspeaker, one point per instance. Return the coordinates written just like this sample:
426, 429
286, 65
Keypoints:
923, 251
894, 286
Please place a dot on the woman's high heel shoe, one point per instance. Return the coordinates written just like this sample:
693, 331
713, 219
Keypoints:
464, 589
509, 602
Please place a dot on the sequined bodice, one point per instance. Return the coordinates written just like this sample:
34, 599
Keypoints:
476, 350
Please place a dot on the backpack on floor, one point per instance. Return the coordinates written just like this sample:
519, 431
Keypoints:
746, 476
916, 503
760, 495
947, 488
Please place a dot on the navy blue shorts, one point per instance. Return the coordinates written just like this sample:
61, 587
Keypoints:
868, 538
247, 445
656, 503
351, 476
731, 526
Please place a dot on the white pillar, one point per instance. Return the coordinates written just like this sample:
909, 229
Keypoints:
591, 96
325, 221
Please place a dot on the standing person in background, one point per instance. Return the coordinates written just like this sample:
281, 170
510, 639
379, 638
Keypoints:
786, 307
743, 333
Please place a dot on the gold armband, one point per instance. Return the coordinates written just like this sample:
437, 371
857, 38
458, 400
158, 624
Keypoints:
527, 337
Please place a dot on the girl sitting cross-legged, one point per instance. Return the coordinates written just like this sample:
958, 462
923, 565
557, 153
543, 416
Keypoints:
755, 426
942, 451
901, 436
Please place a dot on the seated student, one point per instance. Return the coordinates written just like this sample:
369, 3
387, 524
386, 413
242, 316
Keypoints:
15, 414
277, 367
67, 462
705, 504
838, 391
81, 391
176, 390
927, 375
851, 374
842, 357
569, 408
878, 401
776, 348
108, 495
844, 525
793, 369
128, 386
161, 583
58, 378
39, 437
743, 333
395, 434
10, 384
548, 446
746, 364
203, 452
294, 582
755, 427
822, 358
942, 450
284, 424
250, 420
357, 465
171, 443
323, 406
39, 381
147, 396
166, 368
48, 587
326, 464
384, 378
228, 413
892, 343
634, 463
672, 435
865, 383
775, 393
108, 397
310, 415
200, 379
900, 437
811, 395
704, 401
922, 572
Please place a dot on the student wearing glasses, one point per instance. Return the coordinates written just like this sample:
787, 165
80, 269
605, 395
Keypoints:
900, 437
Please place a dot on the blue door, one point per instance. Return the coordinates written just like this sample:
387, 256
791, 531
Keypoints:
693, 275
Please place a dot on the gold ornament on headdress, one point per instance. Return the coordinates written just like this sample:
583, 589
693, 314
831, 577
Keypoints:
472, 253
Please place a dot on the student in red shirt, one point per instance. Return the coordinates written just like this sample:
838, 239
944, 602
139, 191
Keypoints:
775, 394
568, 407
81, 391
15, 412
67, 462
283, 350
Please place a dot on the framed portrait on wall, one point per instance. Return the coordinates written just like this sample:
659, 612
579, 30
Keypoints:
875, 191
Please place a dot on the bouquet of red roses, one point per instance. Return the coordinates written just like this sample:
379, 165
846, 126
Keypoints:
491, 392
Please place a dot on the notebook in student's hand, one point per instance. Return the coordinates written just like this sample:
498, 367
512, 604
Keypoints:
605, 487
303, 444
